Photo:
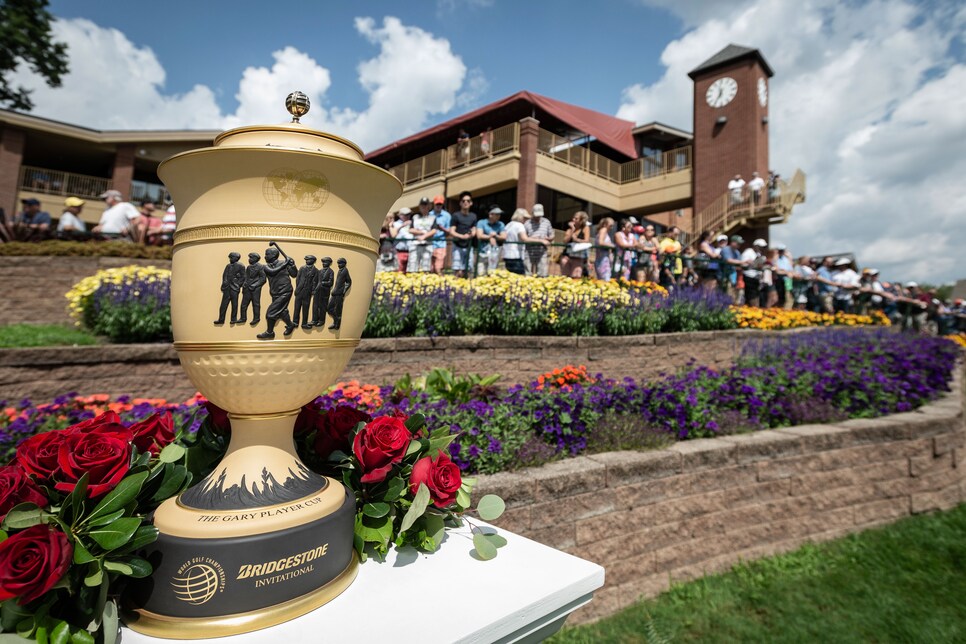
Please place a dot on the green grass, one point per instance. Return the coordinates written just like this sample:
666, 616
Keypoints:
902, 583
42, 335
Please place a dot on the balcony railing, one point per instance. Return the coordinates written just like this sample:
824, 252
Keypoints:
55, 182
727, 211
459, 155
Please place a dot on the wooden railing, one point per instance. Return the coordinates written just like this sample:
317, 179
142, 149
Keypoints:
727, 211
674, 160
55, 182
460, 155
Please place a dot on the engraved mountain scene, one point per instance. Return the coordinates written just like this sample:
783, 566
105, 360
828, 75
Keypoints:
214, 493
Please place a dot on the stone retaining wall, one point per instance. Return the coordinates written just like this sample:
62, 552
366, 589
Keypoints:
700, 506
153, 371
32, 289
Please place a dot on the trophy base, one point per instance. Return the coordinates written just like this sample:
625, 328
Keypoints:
219, 573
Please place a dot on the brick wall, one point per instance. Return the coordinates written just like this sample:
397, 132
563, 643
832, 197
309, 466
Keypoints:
153, 371
32, 289
700, 506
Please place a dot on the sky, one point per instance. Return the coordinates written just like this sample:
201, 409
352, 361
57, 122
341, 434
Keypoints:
868, 97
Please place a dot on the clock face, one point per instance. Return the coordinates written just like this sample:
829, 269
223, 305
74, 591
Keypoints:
762, 92
721, 92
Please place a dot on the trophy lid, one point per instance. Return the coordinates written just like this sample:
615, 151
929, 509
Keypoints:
291, 136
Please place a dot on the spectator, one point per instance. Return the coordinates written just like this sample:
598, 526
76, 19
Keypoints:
847, 281
463, 232
443, 222
402, 234
573, 260
463, 146
647, 264
671, 265
626, 249
514, 250
70, 223
730, 261
149, 225
707, 258
605, 248
755, 186
120, 220
688, 276
774, 187
538, 234
486, 142
783, 269
754, 263
737, 189
169, 223
32, 216
826, 286
424, 227
912, 307
490, 233
803, 285
386, 263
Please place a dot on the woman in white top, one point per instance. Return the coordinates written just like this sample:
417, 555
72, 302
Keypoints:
513, 247
605, 247
573, 261
626, 248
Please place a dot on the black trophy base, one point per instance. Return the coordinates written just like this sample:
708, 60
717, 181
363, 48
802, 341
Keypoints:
203, 588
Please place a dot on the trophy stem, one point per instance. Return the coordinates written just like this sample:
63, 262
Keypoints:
259, 469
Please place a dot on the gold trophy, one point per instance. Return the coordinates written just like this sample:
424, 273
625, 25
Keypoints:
272, 273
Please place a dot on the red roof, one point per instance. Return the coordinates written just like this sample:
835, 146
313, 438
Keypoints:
613, 132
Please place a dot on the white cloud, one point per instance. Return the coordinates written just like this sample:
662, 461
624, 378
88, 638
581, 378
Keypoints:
414, 76
867, 99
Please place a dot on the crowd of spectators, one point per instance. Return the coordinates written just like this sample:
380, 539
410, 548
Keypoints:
121, 220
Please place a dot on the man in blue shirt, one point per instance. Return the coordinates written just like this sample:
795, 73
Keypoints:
444, 222
730, 261
783, 277
32, 216
489, 232
826, 286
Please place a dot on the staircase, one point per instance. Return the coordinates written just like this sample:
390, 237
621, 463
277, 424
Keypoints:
723, 216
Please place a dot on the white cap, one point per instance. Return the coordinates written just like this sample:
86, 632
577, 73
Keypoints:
405, 211
760, 242
633, 220
779, 247
721, 238
538, 210
911, 285
843, 261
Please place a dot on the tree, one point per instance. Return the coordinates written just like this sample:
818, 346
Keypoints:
25, 37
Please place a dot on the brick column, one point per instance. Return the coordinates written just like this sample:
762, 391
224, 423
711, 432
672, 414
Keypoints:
11, 158
527, 181
123, 169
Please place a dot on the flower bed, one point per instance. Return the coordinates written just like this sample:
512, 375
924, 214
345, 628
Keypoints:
804, 378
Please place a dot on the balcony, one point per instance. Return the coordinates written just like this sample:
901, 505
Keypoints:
55, 182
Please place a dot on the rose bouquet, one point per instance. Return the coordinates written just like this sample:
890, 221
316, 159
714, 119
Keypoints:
76, 504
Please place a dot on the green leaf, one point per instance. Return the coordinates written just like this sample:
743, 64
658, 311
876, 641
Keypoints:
143, 536
81, 636
23, 516
109, 622
174, 477
172, 453
484, 549
139, 567
414, 422
414, 446
490, 507
463, 499
416, 510
116, 566
435, 529
125, 492
375, 510
107, 518
11, 614
397, 486
76, 498
497, 540
440, 443
3, 536
377, 531
81, 554
60, 634
94, 578
116, 534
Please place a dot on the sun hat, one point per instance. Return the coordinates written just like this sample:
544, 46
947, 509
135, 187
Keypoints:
74, 202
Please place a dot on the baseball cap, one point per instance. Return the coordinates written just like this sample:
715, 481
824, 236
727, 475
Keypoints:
779, 247
30, 202
424, 200
633, 220
405, 211
495, 210
738, 239
760, 242
439, 199
639, 229
721, 238
108, 194
73, 202
911, 285
538, 210
843, 261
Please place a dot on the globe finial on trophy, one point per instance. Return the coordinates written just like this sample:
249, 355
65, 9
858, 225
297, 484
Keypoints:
298, 105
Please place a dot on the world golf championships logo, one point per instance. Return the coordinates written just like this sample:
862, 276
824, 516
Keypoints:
197, 580
288, 188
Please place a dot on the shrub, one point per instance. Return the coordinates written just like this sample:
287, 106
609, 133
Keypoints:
90, 248
129, 304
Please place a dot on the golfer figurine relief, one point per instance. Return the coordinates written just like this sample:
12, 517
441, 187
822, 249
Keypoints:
343, 282
232, 279
252, 290
323, 288
280, 276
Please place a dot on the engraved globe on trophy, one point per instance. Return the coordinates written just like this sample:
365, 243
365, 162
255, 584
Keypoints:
272, 274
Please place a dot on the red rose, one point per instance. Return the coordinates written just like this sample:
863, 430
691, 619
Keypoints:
32, 562
441, 476
105, 456
334, 426
108, 420
16, 487
218, 418
38, 454
305, 422
379, 445
153, 433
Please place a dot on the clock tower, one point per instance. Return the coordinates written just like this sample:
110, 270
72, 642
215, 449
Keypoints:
730, 122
